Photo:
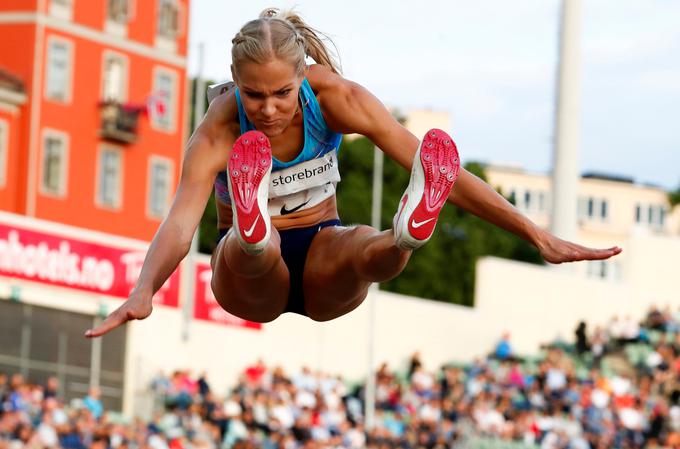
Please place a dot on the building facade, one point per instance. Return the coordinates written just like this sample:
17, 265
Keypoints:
93, 121
610, 210
93, 111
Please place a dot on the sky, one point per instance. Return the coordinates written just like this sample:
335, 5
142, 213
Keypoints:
492, 64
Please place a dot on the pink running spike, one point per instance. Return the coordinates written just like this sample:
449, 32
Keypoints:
435, 170
250, 165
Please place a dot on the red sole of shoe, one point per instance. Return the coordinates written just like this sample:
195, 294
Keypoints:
249, 164
441, 165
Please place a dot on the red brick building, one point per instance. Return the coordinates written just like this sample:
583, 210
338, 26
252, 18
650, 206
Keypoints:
93, 111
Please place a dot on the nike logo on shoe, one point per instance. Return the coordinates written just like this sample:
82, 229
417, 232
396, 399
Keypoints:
249, 232
417, 224
285, 211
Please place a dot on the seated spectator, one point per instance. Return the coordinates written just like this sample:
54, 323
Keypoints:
598, 345
615, 329
630, 330
655, 319
93, 402
414, 363
503, 350
255, 374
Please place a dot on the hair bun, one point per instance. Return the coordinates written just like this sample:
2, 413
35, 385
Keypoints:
269, 13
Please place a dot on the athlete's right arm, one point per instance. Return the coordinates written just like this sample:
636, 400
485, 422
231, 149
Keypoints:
207, 153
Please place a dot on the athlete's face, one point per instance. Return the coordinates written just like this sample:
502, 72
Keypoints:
269, 93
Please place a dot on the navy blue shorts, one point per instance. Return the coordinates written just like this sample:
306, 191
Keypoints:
294, 247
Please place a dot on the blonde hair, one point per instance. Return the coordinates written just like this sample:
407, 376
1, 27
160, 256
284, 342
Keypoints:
282, 34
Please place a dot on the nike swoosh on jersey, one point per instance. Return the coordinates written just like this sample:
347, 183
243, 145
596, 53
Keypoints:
417, 224
285, 211
249, 232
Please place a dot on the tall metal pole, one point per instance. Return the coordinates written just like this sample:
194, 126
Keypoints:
369, 393
565, 176
199, 89
190, 262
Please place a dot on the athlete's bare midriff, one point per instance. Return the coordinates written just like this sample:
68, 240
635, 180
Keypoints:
324, 211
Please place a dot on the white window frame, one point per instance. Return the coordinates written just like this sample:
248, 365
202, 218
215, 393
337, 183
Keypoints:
4, 150
118, 194
171, 105
115, 26
662, 216
656, 216
541, 201
605, 270
123, 21
167, 42
170, 165
62, 189
68, 94
106, 56
176, 31
62, 9
582, 208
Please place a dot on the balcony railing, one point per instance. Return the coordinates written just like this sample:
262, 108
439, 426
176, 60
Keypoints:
119, 121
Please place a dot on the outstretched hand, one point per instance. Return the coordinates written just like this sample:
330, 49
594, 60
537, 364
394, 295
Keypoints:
556, 250
137, 307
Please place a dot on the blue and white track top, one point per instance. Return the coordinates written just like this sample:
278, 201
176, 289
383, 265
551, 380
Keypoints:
308, 179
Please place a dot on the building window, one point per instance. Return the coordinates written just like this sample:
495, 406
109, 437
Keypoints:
164, 100
114, 78
168, 18
4, 144
604, 210
62, 9
54, 161
604, 269
541, 201
527, 200
109, 178
651, 215
513, 197
591, 207
160, 173
117, 11
58, 78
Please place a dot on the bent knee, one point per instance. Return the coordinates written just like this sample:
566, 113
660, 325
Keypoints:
249, 311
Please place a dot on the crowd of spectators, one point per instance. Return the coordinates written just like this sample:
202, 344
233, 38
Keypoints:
614, 387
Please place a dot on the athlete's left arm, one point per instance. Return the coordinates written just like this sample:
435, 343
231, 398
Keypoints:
350, 108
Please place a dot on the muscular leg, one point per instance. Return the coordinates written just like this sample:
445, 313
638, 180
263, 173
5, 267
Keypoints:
342, 263
254, 288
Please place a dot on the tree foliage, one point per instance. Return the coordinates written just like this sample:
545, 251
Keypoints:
674, 197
